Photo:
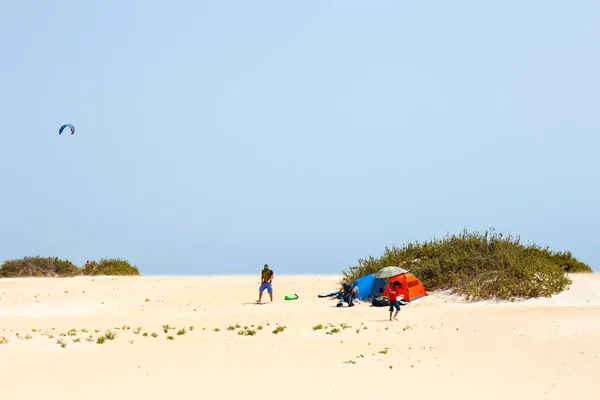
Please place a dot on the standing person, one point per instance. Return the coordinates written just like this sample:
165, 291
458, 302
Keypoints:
393, 296
266, 278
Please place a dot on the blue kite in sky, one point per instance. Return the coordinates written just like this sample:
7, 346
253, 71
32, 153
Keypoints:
64, 126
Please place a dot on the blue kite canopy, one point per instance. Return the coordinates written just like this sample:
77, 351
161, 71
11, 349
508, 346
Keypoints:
64, 126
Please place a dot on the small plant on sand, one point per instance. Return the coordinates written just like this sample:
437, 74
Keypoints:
166, 328
317, 327
358, 330
145, 334
350, 362
147, 300
333, 330
181, 332
97, 331
100, 340
84, 330
217, 329
344, 325
247, 332
279, 329
50, 336
27, 337
61, 343
4, 340
34, 330
76, 340
170, 338
137, 330
191, 328
154, 334
384, 351
231, 328
260, 327
110, 335
72, 332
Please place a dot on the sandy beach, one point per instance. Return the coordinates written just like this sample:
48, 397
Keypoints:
441, 347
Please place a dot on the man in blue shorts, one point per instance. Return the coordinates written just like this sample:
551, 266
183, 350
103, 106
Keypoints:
265, 282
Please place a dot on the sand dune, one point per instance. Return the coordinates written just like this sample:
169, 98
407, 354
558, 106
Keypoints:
441, 346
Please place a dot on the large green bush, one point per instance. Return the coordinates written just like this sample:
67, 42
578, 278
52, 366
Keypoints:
110, 266
38, 266
55, 267
479, 266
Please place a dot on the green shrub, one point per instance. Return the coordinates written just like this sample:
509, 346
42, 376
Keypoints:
38, 266
479, 265
110, 266
55, 267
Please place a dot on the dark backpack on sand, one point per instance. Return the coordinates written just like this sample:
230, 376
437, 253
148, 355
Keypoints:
380, 302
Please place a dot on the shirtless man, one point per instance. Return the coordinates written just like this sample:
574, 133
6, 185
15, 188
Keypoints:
265, 282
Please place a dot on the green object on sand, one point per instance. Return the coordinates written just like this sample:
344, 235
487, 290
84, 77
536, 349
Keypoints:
291, 297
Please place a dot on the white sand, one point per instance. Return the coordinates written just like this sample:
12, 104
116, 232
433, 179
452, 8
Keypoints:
440, 347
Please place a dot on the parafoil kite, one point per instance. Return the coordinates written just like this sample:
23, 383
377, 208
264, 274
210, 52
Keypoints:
64, 126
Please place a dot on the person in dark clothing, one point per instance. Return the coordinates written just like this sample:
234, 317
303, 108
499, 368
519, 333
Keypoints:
348, 294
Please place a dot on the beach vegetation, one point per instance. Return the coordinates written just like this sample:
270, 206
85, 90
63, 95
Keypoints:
479, 266
37, 266
110, 267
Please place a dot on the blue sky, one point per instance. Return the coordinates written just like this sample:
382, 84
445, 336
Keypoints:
214, 137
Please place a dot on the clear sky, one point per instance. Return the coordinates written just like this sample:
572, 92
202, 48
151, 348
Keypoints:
216, 136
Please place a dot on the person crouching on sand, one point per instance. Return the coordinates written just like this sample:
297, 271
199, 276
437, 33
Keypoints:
265, 282
393, 296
